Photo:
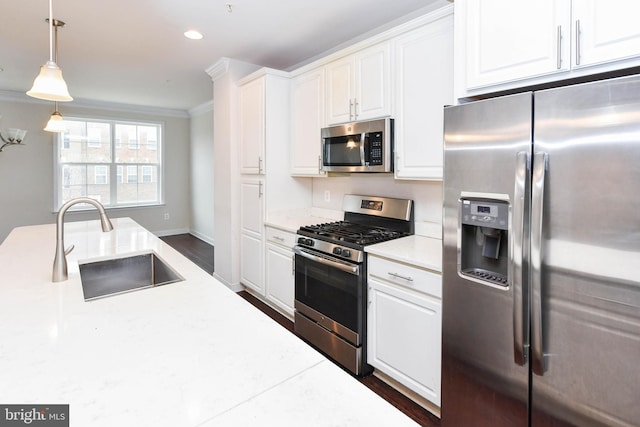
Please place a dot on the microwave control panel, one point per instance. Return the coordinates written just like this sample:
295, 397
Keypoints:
375, 149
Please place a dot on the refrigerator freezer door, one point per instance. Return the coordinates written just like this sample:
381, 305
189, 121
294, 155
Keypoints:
589, 299
487, 143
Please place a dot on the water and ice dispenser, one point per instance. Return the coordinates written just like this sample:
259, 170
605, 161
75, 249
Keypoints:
484, 248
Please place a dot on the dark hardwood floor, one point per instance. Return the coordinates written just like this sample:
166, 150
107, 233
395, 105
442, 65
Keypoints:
198, 251
201, 253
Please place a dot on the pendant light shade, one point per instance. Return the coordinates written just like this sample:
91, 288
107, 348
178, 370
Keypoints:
56, 123
50, 85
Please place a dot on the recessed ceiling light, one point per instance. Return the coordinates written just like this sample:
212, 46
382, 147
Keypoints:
193, 35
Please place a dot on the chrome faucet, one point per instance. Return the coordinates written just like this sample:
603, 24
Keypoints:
60, 260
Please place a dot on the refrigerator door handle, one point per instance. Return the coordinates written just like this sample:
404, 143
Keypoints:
537, 205
520, 327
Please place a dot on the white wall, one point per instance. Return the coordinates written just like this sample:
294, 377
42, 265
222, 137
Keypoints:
427, 195
26, 172
202, 175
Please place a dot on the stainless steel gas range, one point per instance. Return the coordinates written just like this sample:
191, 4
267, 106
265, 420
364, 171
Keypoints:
331, 275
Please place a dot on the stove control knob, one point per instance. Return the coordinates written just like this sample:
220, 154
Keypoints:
309, 242
301, 240
337, 251
346, 253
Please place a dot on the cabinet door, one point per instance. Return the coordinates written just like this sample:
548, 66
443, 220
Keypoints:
373, 82
423, 86
280, 277
605, 30
251, 235
404, 337
252, 127
307, 118
251, 205
508, 40
340, 90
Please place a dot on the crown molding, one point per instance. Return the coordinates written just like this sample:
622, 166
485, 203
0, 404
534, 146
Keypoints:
218, 69
12, 96
202, 108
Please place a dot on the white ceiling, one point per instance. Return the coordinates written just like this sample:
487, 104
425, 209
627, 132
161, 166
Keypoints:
134, 51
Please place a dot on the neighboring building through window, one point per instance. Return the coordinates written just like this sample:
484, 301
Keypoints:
100, 175
115, 161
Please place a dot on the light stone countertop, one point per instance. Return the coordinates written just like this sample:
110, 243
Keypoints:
421, 251
185, 354
292, 220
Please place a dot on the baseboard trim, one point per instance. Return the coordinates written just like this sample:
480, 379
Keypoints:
163, 233
202, 237
426, 404
235, 288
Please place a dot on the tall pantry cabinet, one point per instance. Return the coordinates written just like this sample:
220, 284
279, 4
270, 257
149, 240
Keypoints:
266, 184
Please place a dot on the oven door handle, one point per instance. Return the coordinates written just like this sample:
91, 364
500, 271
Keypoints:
351, 269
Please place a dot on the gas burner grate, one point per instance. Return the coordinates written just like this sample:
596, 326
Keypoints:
345, 231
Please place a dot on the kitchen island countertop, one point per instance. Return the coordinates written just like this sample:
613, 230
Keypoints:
190, 353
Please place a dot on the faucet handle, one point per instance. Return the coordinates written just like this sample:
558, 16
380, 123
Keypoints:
69, 249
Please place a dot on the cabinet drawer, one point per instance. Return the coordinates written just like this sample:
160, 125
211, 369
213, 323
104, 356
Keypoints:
415, 278
280, 237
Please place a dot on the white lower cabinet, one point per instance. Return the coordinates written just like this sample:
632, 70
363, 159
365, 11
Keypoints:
404, 329
251, 234
280, 269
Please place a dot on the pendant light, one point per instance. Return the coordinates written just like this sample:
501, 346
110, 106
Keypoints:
56, 122
49, 84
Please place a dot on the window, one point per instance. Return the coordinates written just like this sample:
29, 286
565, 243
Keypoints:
131, 136
100, 175
115, 161
132, 174
147, 174
94, 136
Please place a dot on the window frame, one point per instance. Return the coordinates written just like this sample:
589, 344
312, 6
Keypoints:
62, 143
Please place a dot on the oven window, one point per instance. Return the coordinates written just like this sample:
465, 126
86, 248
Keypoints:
342, 151
331, 292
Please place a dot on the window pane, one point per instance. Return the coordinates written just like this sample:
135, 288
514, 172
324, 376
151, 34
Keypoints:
86, 142
141, 185
74, 182
149, 144
148, 186
127, 151
98, 183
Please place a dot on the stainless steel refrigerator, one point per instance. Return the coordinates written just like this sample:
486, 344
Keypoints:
541, 258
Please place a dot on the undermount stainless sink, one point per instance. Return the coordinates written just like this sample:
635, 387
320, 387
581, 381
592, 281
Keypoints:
120, 275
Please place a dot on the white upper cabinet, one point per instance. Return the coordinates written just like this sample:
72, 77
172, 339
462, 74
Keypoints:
307, 118
423, 85
506, 44
252, 127
359, 85
508, 40
340, 90
605, 30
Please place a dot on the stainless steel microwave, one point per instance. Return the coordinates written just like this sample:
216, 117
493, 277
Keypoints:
365, 146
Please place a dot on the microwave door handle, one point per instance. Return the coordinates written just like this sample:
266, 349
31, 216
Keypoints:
362, 140
351, 269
